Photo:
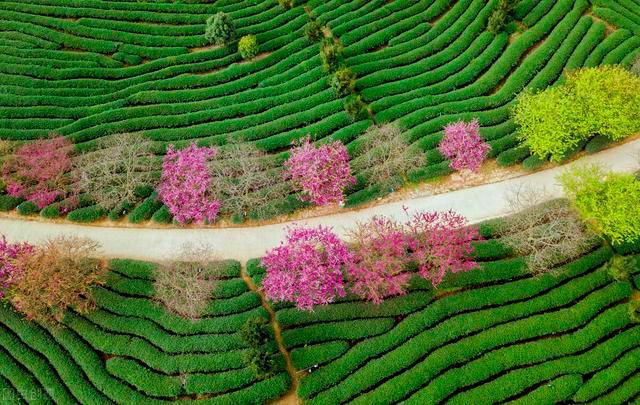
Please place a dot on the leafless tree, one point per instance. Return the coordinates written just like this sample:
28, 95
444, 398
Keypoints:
187, 285
548, 232
385, 156
244, 179
111, 174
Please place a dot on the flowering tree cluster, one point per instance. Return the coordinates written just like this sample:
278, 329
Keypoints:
322, 173
441, 243
307, 268
11, 263
463, 145
379, 265
184, 184
38, 171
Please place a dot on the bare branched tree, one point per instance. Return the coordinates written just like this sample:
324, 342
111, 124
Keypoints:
243, 179
186, 286
385, 156
548, 232
111, 174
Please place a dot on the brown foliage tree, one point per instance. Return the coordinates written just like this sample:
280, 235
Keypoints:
111, 174
548, 232
58, 275
243, 179
385, 156
186, 286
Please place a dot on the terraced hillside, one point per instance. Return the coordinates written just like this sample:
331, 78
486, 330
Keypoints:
130, 350
88, 69
491, 335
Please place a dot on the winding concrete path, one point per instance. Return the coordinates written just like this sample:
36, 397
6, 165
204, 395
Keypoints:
476, 203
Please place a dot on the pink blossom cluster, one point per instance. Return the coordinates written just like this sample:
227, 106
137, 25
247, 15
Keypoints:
184, 184
322, 173
441, 243
463, 145
307, 268
36, 171
10, 264
379, 265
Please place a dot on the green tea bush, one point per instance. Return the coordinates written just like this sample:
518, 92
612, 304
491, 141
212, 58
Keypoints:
607, 201
220, 29
593, 101
248, 47
343, 81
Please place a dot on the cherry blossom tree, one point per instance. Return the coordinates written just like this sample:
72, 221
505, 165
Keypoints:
11, 263
441, 243
38, 171
322, 173
379, 266
184, 184
463, 145
306, 268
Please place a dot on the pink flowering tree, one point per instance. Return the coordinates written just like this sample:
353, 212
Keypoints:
380, 257
306, 268
463, 145
39, 171
322, 173
441, 243
184, 184
10, 262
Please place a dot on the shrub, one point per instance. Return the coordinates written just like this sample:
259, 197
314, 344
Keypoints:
260, 362
330, 54
313, 30
385, 156
379, 266
441, 242
248, 47
549, 233
593, 101
184, 184
322, 173
284, 3
306, 268
500, 16
343, 81
186, 286
112, 174
27, 208
255, 331
38, 171
56, 276
220, 29
463, 145
12, 260
242, 179
607, 201
354, 106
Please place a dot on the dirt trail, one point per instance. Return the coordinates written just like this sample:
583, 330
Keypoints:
291, 397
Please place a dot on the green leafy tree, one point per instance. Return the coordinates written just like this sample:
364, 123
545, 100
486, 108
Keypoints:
593, 101
220, 29
343, 81
248, 47
330, 54
313, 30
606, 201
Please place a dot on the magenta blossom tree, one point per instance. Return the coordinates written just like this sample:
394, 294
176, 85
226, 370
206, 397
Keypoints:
322, 173
441, 242
378, 268
306, 268
463, 145
184, 184
10, 262
39, 171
